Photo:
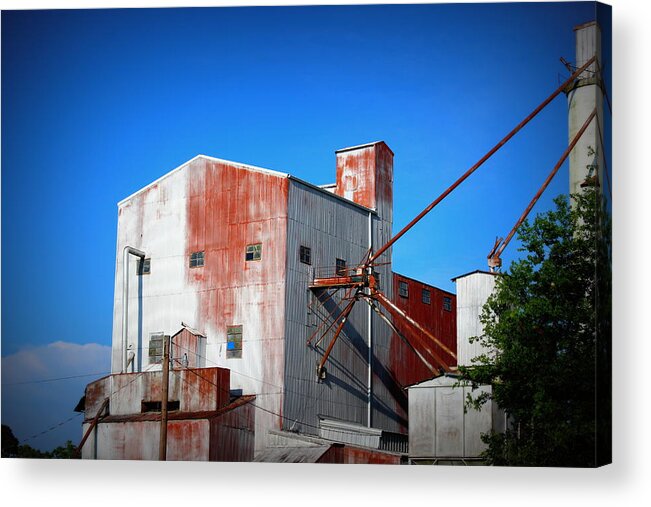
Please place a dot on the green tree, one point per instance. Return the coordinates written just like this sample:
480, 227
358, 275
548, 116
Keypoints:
67, 451
548, 327
11, 448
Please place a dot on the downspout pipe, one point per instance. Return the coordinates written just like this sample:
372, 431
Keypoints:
125, 299
369, 379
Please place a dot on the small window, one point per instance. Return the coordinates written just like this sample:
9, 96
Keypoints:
403, 289
447, 304
196, 259
144, 266
305, 255
341, 267
254, 252
233, 342
156, 348
426, 296
155, 406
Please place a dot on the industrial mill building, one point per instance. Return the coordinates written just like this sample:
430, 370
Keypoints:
225, 255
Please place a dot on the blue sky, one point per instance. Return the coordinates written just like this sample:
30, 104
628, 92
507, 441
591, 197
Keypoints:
98, 103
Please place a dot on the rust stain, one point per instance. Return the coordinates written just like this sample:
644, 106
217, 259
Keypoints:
230, 207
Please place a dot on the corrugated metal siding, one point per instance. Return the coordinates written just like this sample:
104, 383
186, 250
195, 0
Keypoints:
405, 364
216, 207
232, 435
333, 229
229, 208
187, 441
473, 291
187, 345
293, 455
154, 220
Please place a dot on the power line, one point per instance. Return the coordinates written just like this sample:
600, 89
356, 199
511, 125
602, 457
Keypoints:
42, 381
284, 389
252, 403
51, 428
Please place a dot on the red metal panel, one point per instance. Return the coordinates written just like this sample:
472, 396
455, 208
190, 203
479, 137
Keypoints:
229, 207
187, 440
356, 176
203, 388
365, 176
405, 364
358, 456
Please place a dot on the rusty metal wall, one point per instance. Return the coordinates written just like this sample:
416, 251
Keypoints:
188, 349
188, 440
405, 364
194, 389
232, 435
357, 456
216, 207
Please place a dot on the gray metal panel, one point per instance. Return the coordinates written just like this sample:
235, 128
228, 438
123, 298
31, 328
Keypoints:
473, 291
449, 422
422, 422
439, 427
332, 229
476, 422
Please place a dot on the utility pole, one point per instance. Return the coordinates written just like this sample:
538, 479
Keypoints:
162, 446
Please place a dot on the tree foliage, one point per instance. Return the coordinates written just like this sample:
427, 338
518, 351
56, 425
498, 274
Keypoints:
548, 328
11, 448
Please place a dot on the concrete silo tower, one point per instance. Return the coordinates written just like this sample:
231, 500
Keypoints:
583, 96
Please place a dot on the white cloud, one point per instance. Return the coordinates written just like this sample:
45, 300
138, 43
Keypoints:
30, 407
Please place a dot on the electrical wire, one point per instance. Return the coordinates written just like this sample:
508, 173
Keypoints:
43, 381
194, 372
51, 428
283, 390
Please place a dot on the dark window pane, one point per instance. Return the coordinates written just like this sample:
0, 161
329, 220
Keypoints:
447, 304
196, 259
253, 252
403, 290
426, 296
305, 255
156, 349
341, 267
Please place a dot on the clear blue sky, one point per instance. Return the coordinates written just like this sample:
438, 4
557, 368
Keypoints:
98, 103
